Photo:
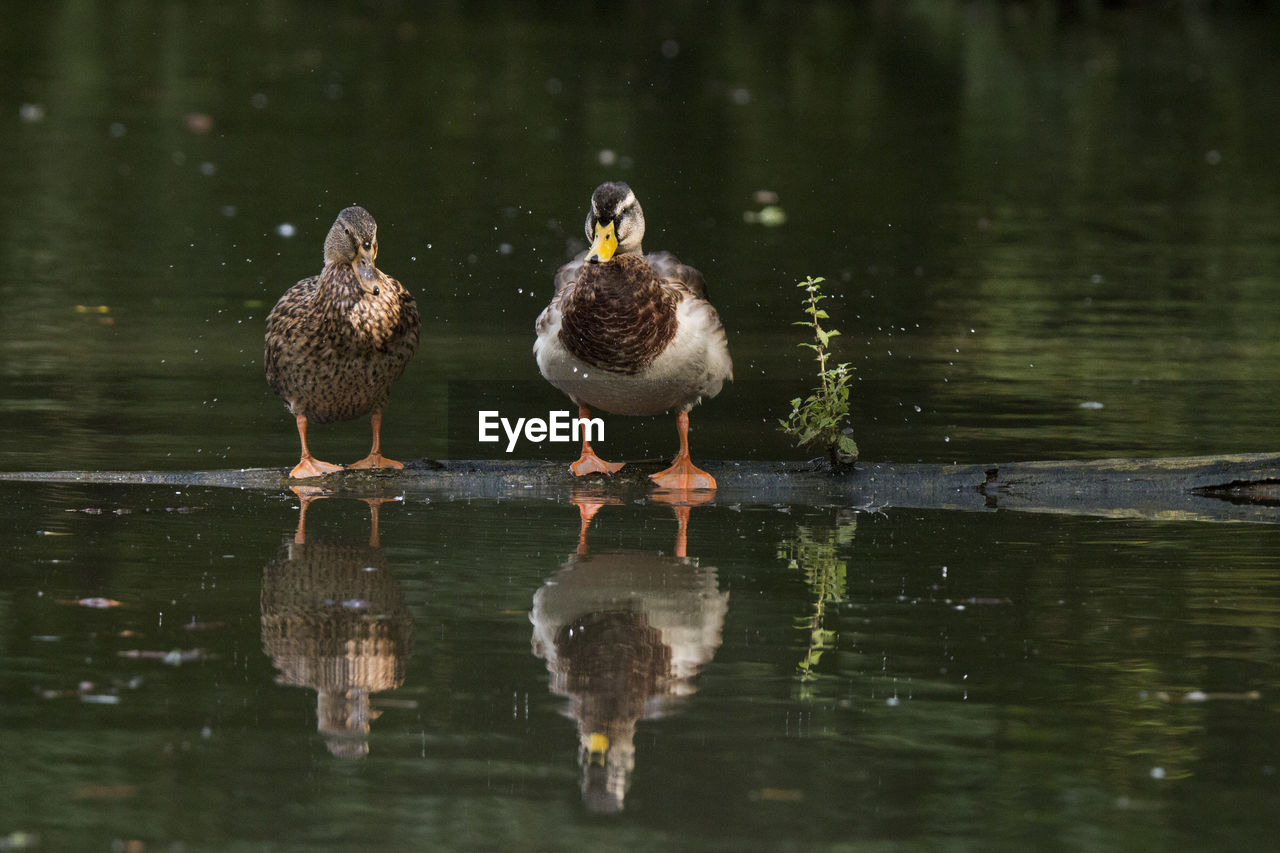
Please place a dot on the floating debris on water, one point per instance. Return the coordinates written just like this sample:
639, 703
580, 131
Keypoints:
198, 123
95, 602
174, 657
770, 216
19, 840
778, 795
204, 626
104, 792
1197, 696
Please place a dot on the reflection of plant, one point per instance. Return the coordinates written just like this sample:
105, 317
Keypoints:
814, 552
821, 419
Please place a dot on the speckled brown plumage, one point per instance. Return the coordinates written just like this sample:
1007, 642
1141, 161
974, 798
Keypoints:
337, 342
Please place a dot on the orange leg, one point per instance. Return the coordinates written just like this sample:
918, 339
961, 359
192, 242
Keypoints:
306, 494
681, 503
682, 531
374, 503
683, 474
587, 510
375, 459
588, 462
308, 465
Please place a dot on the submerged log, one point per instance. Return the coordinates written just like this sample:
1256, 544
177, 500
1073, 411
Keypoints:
1241, 487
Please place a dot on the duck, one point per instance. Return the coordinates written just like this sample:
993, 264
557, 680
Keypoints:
631, 333
336, 342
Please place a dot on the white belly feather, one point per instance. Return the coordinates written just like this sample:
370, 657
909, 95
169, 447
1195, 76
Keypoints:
695, 364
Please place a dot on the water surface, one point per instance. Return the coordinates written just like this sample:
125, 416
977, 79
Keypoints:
999, 679
1048, 233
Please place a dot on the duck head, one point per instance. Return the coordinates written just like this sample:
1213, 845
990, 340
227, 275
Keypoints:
353, 240
615, 222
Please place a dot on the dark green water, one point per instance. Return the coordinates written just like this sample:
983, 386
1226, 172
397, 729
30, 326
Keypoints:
1019, 208
996, 680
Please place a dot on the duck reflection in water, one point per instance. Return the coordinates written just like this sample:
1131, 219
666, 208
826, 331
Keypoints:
334, 620
624, 634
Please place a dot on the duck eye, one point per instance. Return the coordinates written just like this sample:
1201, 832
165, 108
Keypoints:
368, 244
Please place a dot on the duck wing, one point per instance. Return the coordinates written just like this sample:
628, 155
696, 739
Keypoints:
669, 269
568, 274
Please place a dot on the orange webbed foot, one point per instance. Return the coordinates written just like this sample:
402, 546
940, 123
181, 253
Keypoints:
589, 463
683, 475
376, 460
309, 466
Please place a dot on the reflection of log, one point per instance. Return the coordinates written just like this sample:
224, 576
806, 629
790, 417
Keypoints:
1244, 487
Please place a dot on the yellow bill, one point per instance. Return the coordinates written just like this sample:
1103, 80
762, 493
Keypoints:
597, 746
604, 244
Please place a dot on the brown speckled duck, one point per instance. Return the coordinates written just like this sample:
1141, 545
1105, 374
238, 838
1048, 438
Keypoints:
632, 334
338, 341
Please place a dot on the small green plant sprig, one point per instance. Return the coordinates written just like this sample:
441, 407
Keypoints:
821, 419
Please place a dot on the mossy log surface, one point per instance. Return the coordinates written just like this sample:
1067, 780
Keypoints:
1242, 487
